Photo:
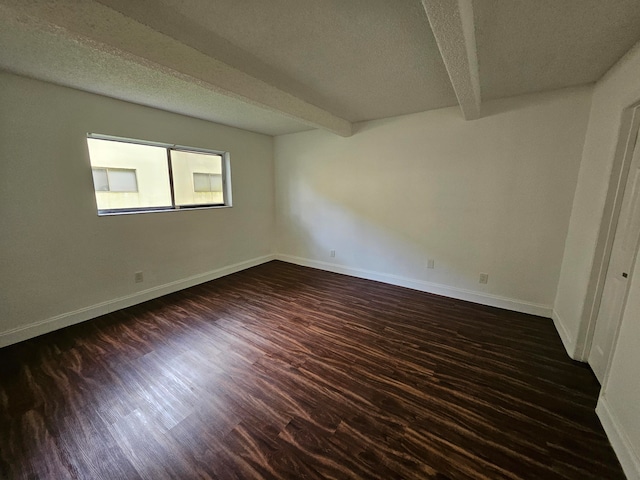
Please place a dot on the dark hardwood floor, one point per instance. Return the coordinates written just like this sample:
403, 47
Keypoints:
281, 371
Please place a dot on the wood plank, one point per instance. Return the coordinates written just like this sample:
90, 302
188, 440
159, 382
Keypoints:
282, 371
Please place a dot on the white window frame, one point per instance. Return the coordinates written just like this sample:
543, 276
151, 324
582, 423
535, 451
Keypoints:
226, 176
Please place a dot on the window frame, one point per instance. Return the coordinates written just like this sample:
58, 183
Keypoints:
225, 167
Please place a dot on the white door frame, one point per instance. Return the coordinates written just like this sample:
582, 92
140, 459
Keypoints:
629, 126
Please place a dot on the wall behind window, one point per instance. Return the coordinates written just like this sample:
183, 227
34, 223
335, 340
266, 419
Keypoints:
491, 195
58, 256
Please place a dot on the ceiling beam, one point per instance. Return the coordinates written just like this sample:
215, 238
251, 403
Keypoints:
453, 27
102, 28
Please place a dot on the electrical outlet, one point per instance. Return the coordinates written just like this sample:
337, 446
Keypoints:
484, 278
138, 277
431, 263
333, 253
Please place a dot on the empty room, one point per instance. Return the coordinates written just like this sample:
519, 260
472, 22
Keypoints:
319, 239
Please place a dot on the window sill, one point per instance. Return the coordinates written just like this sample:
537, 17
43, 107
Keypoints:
110, 213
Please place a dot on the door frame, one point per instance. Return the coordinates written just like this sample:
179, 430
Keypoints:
629, 127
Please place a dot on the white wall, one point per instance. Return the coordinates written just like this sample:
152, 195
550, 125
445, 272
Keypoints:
59, 261
492, 195
617, 90
619, 404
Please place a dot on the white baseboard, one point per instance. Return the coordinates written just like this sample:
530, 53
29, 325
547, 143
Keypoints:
628, 457
438, 289
565, 336
35, 329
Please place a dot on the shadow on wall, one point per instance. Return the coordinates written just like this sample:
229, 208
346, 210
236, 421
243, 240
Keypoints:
381, 243
493, 195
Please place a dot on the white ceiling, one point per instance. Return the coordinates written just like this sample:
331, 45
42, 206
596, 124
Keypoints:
531, 46
358, 59
282, 66
27, 49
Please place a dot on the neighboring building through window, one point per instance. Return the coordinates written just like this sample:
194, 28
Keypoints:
135, 176
207, 182
208, 186
115, 180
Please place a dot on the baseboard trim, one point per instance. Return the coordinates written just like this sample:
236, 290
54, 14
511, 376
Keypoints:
565, 336
622, 446
429, 287
35, 329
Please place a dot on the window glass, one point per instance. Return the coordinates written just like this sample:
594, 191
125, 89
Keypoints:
132, 176
216, 182
100, 181
138, 176
193, 174
201, 182
121, 180
207, 182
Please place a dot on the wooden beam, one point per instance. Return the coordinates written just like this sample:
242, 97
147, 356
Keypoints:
453, 27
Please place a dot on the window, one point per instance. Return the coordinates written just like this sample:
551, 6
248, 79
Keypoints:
134, 176
115, 180
207, 182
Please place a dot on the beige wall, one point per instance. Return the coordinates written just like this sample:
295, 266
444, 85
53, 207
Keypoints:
59, 260
491, 195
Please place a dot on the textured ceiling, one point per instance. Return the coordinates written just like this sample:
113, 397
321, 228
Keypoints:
453, 26
40, 51
282, 66
358, 59
530, 46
